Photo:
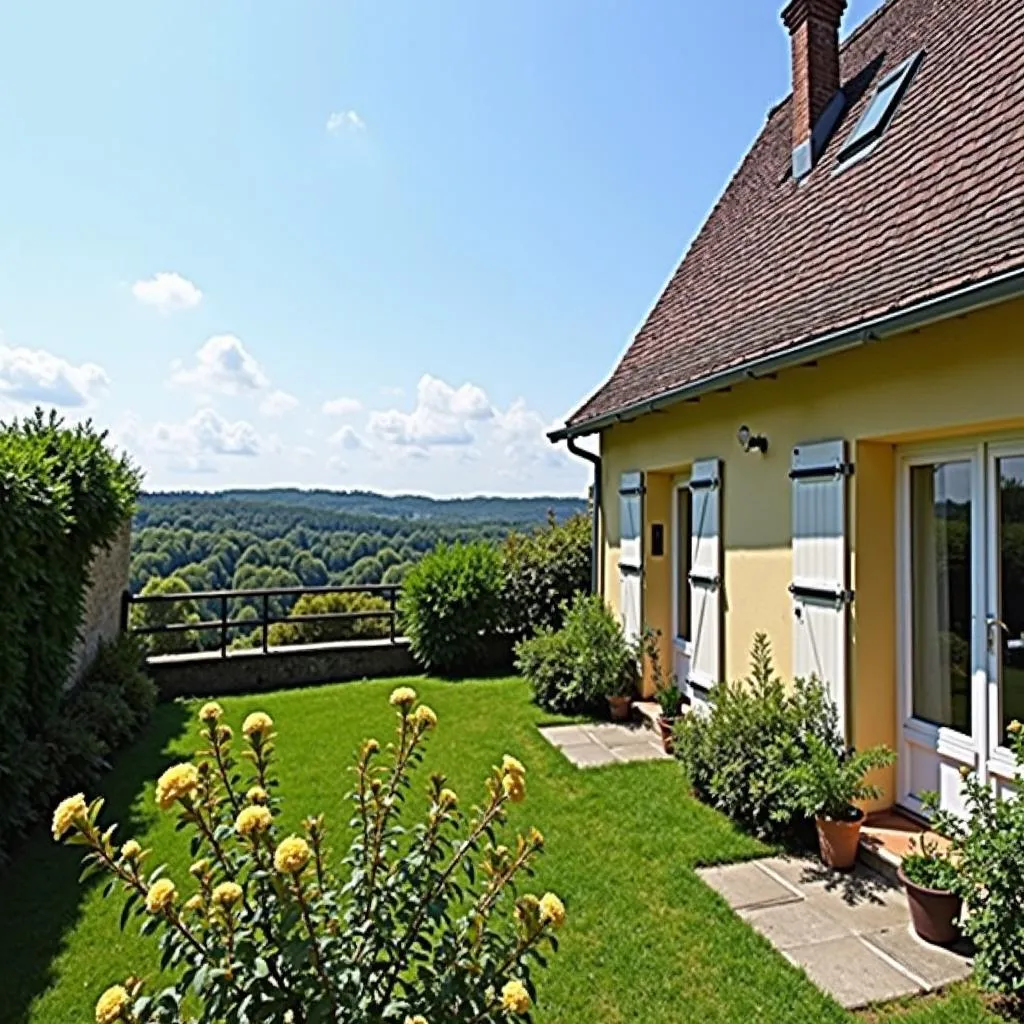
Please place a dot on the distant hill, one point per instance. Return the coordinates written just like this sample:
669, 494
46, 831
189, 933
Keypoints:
513, 511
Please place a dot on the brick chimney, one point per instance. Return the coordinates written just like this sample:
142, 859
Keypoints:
814, 29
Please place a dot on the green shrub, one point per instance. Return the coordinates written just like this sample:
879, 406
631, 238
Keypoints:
425, 921
451, 605
106, 710
988, 849
63, 496
571, 669
833, 780
333, 630
738, 757
166, 613
544, 570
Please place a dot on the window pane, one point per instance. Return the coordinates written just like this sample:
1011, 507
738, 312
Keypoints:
940, 512
1011, 586
683, 562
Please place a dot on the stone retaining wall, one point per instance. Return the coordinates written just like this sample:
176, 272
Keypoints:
101, 619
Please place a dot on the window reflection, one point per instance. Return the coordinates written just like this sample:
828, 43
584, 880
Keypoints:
940, 511
1011, 587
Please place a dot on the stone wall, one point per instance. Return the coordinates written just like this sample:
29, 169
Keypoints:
109, 577
251, 671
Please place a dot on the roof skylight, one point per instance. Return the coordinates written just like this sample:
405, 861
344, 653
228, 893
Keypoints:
881, 110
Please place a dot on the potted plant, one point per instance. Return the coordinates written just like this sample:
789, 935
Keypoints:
670, 698
931, 878
620, 697
828, 786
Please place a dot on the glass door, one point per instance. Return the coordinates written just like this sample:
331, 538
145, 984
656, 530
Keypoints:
943, 671
1005, 612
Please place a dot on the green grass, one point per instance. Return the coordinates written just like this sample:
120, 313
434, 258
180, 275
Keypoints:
646, 941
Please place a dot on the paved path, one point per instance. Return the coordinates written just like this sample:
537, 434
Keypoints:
595, 744
850, 932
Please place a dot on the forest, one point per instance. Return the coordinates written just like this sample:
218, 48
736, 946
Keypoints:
245, 540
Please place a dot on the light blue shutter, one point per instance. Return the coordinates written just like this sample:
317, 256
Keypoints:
821, 597
631, 555
705, 577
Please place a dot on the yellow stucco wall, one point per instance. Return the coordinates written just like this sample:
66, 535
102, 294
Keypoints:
953, 378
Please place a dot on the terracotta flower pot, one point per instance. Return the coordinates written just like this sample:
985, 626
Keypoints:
934, 912
666, 726
619, 708
838, 841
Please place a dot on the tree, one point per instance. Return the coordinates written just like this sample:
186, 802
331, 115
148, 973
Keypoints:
165, 613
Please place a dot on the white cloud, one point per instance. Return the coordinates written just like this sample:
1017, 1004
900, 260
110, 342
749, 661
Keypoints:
341, 407
223, 366
443, 416
30, 375
337, 464
278, 403
347, 438
167, 292
204, 434
345, 120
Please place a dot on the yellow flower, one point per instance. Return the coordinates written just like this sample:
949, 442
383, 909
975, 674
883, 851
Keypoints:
210, 712
69, 812
227, 894
402, 697
131, 850
964, 771
514, 787
536, 838
194, 903
200, 868
1014, 727
259, 723
418, 1019
424, 717
112, 1005
178, 782
371, 747
161, 896
511, 766
552, 910
514, 997
253, 820
292, 855
257, 795
448, 798
224, 733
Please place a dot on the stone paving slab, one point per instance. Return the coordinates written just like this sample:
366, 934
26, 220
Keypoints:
850, 932
852, 973
599, 743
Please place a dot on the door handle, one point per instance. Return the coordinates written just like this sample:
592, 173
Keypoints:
993, 623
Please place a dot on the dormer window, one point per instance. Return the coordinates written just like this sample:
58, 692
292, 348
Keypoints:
880, 110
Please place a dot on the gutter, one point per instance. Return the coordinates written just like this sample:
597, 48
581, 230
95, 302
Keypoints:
595, 528
955, 303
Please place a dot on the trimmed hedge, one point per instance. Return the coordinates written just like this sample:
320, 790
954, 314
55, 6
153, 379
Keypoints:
63, 495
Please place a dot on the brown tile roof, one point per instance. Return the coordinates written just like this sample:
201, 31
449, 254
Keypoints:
938, 204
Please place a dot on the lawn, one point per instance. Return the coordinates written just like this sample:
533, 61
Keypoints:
646, 941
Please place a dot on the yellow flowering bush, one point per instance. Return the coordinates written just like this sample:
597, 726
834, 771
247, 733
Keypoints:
415, 921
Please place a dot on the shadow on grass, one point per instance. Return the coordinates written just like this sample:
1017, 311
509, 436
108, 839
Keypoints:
40, 895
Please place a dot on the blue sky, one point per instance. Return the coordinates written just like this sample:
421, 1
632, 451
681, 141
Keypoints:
382, 243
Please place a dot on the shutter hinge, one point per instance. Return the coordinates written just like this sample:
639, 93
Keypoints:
705, 580
806, 592
811, 472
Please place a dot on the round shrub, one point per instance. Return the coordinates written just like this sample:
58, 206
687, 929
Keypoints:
451, 604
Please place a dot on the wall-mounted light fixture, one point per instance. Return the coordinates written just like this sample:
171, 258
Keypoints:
751, 442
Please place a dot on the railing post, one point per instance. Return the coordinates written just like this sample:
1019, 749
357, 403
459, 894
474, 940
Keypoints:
126, 604
394, 612
223, 625
266, 625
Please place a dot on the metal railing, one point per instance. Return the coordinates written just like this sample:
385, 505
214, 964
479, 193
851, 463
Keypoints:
265, 617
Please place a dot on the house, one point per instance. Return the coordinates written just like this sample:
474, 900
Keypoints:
818, 430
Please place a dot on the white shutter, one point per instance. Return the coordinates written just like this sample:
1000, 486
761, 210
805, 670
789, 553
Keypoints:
705, 578
631, 564
820, 566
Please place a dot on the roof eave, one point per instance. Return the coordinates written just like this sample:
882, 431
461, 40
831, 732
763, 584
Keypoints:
992, 290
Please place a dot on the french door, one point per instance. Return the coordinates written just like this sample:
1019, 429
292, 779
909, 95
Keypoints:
961, 590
